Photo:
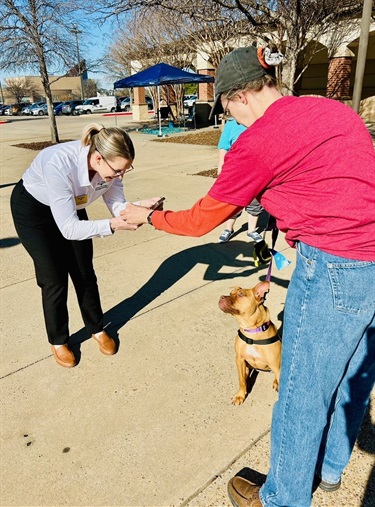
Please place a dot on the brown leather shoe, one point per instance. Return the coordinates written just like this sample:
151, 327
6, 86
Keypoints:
64, 356
243, 493
107, 345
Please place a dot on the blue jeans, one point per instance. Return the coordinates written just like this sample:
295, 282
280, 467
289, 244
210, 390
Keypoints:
327, 374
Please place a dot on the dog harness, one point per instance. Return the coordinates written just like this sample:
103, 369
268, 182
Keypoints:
267, 341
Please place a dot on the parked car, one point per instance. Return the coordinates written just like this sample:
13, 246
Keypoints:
97, 105
58, 109
25, 110
126, 105
150, 103
70, 106
118, 103
190, 100
39, 110
28, 109
16, 109
7, 110
2, 109
43, 109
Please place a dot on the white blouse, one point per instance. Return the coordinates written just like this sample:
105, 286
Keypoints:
59, 178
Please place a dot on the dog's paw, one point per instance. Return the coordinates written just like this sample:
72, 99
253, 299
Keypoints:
239, 398
275, 385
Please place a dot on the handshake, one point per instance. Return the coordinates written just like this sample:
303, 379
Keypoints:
135, 214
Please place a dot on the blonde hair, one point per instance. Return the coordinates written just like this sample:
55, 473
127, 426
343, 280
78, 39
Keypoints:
110, 142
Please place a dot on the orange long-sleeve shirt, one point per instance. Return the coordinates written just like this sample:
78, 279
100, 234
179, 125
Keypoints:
203, 217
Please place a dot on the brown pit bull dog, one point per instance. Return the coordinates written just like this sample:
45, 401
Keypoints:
258, 344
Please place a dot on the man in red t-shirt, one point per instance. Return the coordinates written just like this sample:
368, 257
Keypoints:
311, 164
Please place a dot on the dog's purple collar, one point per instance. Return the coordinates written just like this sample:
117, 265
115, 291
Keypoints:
250, 341
263, 327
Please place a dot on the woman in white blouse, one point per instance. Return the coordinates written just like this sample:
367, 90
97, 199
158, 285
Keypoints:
48, 207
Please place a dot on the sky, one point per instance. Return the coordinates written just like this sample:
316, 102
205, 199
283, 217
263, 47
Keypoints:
94, 42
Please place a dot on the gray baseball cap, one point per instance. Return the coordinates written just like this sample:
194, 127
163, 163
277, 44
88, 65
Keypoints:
237, 68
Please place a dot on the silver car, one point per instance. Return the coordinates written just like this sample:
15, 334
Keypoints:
28, 110
39, 110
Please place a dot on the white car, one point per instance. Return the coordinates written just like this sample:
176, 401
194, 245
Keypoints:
190, 100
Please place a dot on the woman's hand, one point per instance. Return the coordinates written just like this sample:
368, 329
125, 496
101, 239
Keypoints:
119, 224
135, 215
148, 203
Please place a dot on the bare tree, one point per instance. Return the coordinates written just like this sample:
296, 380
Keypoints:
37, 34
20, 87
172, 38
140, 44
290, 24
90, 87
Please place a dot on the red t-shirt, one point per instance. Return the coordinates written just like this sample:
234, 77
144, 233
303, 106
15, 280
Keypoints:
311, 163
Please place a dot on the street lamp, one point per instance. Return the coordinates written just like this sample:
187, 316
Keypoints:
76, 32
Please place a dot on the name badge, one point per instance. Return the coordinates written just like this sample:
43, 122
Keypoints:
81, 199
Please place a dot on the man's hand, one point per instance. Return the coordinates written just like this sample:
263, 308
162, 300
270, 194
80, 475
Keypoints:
135, 215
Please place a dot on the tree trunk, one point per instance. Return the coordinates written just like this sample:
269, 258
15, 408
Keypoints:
47, 91
289, 72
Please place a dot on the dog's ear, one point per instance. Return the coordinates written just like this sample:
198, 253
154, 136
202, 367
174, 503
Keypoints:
261, 289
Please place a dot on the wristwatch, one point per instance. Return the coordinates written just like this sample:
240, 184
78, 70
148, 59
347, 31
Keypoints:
149, 217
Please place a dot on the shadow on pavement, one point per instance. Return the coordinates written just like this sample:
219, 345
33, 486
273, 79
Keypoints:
366, 442
175, 267
8, 242
215, 256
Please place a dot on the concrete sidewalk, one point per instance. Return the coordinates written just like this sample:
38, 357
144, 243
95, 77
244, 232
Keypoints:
152, 425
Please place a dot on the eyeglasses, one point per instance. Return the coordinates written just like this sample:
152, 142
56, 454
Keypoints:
226, 114
116, 172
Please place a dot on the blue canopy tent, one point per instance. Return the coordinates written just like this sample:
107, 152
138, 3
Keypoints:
161, 74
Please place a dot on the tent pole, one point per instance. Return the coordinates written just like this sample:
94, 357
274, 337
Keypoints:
159, 115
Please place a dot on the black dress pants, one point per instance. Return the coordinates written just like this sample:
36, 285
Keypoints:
55, 259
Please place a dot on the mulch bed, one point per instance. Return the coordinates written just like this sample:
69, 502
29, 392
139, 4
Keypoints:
208, 138
211, 173
37, 146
